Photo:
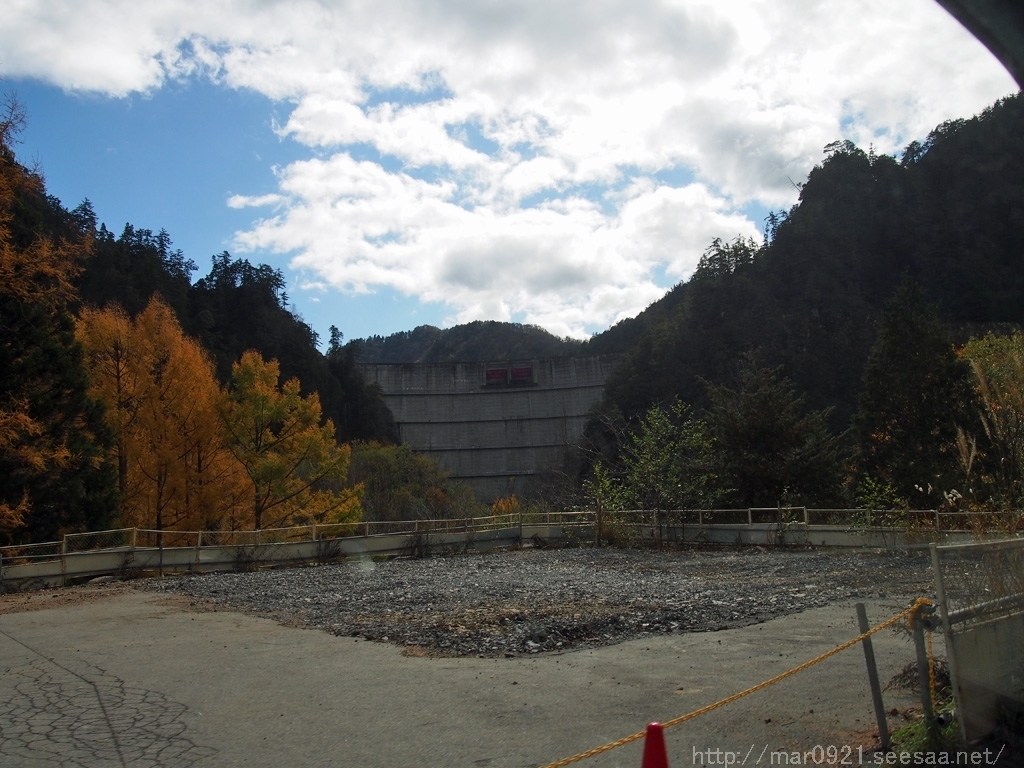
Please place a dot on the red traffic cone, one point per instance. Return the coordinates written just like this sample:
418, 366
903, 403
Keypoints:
654, 747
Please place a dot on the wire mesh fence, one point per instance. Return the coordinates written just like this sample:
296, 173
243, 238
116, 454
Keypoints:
1009, 522
981, 582
338, 530
980, 588
157, 539
86, 542
287, 535
26, 553
634, 525
229, 538
845, 517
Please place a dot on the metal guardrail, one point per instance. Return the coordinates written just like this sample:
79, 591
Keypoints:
1000, 606
129, 549
248, 550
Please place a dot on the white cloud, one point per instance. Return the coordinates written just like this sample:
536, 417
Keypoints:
511, 151
244, 201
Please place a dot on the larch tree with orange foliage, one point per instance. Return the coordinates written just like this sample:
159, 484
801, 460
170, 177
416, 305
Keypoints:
108, 339
161, 397
296, 469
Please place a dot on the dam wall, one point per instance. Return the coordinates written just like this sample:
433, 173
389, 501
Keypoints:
496, 426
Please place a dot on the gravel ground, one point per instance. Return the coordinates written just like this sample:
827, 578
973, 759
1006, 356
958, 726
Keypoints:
533, 601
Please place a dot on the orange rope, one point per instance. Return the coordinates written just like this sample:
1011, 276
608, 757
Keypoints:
918, 604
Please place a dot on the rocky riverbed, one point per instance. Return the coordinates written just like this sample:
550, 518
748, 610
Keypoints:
533, 601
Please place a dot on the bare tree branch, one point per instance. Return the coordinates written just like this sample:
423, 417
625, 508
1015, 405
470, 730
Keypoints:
13, 118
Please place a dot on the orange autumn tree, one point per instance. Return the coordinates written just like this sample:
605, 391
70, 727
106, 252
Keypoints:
161, 395
108, 338
53, 474
297, 471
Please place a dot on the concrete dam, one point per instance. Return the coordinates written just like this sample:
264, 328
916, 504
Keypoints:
495, 426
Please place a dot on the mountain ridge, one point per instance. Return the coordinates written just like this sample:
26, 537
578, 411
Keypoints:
477, 341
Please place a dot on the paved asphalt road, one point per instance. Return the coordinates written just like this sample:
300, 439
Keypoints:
136, 680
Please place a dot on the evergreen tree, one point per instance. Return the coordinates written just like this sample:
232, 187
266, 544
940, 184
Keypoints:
360, 412
770, 451
130, 269
917, 395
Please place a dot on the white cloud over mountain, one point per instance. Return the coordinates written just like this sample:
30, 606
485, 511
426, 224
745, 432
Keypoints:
536, 161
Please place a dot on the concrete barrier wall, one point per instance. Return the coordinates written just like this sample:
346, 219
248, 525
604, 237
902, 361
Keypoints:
498, 438
122, 561
125, 561
989, 670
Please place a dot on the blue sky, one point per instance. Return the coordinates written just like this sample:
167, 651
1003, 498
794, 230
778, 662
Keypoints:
170, 159
444, 161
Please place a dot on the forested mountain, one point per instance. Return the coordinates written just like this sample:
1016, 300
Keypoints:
949, 215
478, 341
828, 365
844, 360
131, 396
234, 308
55, 471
